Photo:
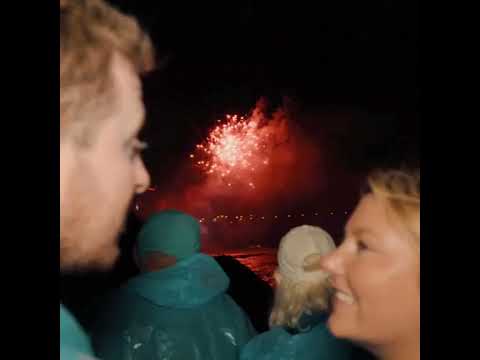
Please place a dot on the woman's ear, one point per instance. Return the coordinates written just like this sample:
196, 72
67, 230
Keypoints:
278, 277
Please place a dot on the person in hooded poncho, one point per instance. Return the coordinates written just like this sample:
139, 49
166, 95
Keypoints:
298, 329
177, 307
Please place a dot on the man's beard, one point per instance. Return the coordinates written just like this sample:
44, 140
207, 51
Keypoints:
86, 244
99, 258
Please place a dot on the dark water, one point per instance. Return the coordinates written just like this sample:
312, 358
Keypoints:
262, 261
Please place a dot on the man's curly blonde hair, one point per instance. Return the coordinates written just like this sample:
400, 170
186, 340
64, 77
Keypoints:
91, 33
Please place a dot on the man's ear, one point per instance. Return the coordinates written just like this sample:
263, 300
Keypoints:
158, 261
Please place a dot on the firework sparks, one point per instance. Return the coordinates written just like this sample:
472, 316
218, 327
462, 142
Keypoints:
234, 150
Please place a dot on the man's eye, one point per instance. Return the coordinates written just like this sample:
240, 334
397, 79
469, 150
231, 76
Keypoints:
138, 147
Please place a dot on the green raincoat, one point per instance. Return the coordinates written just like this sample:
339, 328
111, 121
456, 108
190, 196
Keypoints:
312, 342
181, 312
74, 343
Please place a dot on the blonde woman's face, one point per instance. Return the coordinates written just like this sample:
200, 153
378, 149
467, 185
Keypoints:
375, 274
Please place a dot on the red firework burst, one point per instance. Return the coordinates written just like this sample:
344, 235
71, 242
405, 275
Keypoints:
234, 150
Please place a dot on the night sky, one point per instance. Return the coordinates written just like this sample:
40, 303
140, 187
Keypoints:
348, 70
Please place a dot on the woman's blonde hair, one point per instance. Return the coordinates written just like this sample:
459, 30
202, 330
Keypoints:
401, 190
293, 298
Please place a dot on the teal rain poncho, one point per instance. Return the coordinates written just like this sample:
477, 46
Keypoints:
74, 343
181, 312
314, 342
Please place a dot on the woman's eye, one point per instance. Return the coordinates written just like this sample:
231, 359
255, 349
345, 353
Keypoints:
361, 246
